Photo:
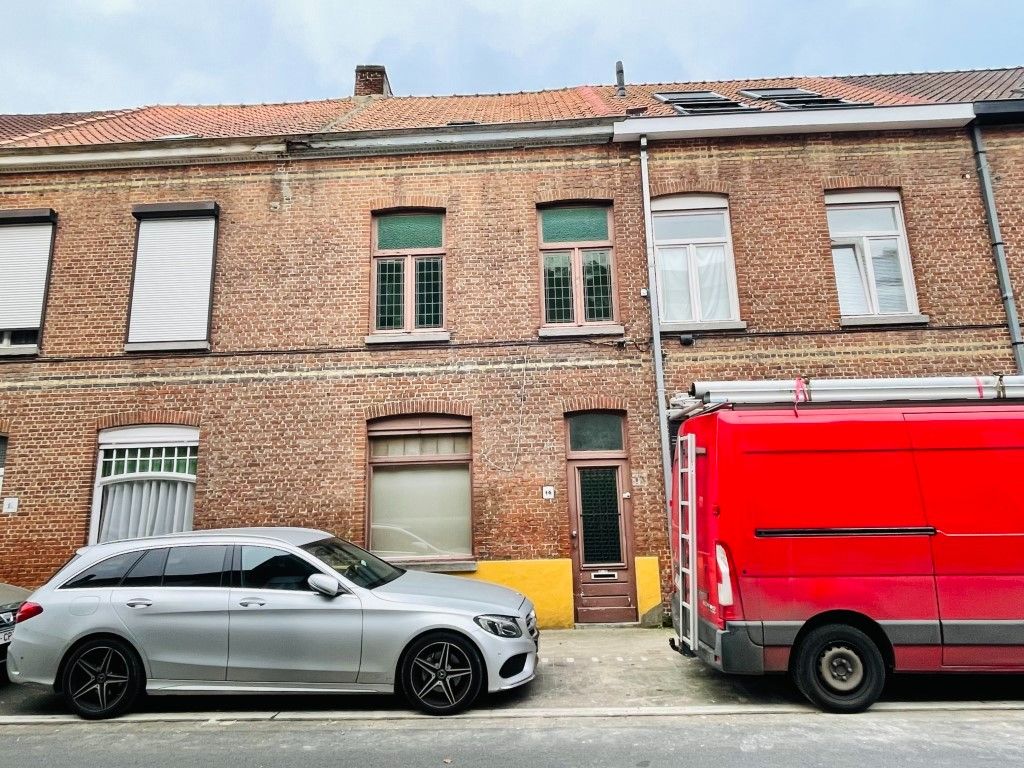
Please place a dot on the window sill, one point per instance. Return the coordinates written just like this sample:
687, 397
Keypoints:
418, 337
715, 325
855, 321
554, 331
166, 346
437, 566
19, 350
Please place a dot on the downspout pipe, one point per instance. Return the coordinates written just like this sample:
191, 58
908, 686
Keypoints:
659, 361
998, 248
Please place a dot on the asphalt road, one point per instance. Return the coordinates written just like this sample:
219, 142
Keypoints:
907, 740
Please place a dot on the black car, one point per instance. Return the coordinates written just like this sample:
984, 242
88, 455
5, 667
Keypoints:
11, 598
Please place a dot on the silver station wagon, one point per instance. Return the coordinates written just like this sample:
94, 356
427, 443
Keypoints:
266, 610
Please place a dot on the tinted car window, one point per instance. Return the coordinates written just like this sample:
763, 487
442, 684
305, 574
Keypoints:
270, 568
194, 567
107, 573
148, 571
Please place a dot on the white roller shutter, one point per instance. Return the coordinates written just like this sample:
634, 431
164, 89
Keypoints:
24, 262
173, 274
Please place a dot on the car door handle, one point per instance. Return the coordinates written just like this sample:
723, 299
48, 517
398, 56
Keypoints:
139, 602
246, 602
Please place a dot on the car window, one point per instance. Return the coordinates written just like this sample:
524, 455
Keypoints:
107, 573
270, 568
148, 571
194, 566
355, 564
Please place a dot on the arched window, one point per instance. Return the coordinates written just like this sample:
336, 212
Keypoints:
420, 487
145, 482
693, 248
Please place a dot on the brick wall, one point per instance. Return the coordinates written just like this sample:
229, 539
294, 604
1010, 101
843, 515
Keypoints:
283, 398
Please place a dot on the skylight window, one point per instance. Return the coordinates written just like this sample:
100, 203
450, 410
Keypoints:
701, 102
801, 98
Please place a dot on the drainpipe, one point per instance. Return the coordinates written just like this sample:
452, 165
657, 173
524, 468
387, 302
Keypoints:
998, 249
659, 363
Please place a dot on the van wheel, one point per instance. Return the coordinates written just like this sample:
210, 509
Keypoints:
441, 673
102, 678
839, 668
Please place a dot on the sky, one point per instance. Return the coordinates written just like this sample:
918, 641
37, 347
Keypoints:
68, 55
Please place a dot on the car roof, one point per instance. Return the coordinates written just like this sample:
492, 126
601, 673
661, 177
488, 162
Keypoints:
286, 535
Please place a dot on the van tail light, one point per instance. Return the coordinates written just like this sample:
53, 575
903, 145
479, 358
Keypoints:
27, 611
725, 597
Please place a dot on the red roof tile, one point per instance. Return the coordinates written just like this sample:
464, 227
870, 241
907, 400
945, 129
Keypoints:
410, 112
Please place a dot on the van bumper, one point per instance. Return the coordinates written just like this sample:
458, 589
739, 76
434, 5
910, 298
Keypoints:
730, 650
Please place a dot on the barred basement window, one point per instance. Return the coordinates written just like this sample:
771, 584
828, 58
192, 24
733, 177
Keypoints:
577, 265
145, 482
408, 272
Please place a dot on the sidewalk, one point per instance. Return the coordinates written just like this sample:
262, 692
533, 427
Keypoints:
589, 672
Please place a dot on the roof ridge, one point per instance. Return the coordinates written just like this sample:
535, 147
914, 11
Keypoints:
73, 124
931, 72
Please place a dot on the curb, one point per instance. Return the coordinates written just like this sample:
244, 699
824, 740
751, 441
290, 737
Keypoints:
713, 710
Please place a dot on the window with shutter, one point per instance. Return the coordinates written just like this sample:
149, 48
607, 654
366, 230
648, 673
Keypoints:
26, 241
172, 287
870, 255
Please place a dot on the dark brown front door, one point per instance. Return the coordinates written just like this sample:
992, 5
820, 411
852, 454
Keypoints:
602, 555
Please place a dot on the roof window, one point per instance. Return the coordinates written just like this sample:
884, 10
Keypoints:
800, 98
701, 102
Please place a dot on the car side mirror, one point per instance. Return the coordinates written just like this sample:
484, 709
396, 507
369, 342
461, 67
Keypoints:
325, 585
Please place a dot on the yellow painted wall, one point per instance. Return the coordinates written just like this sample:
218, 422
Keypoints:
548, 583
648, 591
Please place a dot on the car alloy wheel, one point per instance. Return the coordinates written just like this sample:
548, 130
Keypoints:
101, 679
442, 674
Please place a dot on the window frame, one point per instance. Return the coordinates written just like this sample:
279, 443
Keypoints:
860, 242
576, 250
137, 436
163, 211
693, 205
30, 217
621, 454
417, 425
409, 258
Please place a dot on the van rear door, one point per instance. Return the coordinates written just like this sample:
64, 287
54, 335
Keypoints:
970, 465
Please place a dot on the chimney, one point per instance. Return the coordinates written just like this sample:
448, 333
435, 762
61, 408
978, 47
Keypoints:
620, 80
372, 80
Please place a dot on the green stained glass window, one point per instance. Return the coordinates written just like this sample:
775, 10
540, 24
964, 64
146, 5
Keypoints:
595, 431
597, 285
408, 231
558, 287
429, 293
574, 225
390, 294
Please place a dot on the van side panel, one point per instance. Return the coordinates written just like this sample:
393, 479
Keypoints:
824, 513
971, 469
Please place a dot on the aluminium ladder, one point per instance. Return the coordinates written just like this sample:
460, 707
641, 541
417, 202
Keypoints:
686, 529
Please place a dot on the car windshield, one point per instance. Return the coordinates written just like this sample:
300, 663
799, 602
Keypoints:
355, 564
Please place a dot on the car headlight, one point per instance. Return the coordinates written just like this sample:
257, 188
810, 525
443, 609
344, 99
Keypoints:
502, 626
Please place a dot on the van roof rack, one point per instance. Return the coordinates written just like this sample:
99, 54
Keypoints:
804, 390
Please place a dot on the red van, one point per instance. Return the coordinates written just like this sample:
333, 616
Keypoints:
840, 542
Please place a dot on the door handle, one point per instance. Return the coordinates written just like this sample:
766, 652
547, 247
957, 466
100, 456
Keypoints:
248, 601
139, 602
574, 534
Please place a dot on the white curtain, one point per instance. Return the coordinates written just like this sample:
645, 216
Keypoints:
892, 296
134, 508
714, 282
674, 264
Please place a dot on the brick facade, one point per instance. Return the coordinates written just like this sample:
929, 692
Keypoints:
283, 399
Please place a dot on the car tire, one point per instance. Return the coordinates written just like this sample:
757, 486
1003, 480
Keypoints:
839, 669
102, 678
441, 673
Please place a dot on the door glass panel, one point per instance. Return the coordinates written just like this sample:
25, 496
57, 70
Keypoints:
599, 513
595, 431
149, 571
270, 568
194, 567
